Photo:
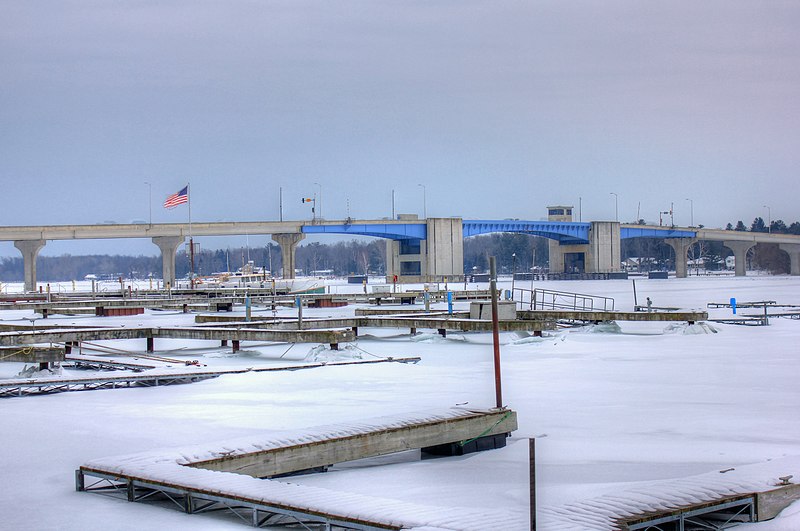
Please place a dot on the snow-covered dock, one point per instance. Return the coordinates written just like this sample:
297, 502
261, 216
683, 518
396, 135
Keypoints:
77, 335
157, 377
202, 478
715, 500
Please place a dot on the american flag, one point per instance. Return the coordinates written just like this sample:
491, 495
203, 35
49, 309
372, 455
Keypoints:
178, 199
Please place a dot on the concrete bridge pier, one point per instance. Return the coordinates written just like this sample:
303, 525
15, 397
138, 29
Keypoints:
740, 255
681, 248
30, 250
169, 247
288, 243
793, 250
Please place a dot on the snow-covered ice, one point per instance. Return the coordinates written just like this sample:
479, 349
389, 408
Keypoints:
646, 406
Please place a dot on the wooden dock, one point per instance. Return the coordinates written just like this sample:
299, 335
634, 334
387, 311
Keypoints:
323, 451
601, 316
233, 334
439, 322
30, 354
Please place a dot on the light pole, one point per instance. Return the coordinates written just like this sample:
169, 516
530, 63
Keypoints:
424, 204
691, 211
616, 206
769, 219
319, 214
513, 272
150, 199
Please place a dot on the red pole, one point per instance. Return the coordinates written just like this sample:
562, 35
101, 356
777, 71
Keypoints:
495, 332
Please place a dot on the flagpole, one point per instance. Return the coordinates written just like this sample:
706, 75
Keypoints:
191, 241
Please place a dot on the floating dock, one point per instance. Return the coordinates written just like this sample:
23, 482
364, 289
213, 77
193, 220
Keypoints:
35, 386
202, 479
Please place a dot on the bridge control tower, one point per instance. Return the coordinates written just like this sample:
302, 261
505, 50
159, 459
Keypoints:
601, 254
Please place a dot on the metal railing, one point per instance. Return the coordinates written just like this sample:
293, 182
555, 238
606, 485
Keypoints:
545, 299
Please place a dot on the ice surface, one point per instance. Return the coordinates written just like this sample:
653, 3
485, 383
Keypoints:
614, 414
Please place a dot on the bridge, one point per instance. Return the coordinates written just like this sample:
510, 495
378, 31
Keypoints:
417, 249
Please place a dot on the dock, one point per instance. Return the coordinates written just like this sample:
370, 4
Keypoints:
202, 479
233, 334
600, 316
746, 493
439, 322
153, 378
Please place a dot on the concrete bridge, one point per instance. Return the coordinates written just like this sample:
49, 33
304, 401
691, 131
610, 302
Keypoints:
417, 249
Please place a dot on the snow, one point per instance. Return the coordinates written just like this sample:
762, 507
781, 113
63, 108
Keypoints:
618, 415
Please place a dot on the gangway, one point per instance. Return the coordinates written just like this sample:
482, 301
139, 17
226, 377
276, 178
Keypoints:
545, 299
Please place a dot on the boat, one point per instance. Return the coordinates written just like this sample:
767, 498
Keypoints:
251, 276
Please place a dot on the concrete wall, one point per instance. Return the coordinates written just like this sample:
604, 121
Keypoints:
445, 249
440, 257
601, 254
604, 247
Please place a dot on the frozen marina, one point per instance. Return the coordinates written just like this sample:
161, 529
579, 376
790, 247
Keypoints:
614, 412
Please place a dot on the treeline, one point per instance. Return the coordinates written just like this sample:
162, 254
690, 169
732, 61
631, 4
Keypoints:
777, 226
69, 267
512, 252
341, 258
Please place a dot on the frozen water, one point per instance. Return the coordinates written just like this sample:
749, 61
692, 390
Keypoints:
610, 410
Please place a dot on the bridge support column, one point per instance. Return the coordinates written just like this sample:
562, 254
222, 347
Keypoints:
30, 250
169, 247
740, 255
288, 243
793, 250
681, 248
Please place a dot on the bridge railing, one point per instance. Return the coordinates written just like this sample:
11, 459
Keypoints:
545, 299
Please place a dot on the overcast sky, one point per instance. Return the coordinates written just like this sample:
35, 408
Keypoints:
499, 108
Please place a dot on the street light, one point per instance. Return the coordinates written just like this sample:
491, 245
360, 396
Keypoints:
616, 206
424, 205
319, 214
769, 219
691, 211
150, 199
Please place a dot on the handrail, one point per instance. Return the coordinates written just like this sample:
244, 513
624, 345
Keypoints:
545, 299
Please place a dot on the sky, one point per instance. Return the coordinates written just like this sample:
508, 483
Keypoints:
480, 109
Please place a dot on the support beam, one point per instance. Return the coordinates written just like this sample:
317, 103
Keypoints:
793, 250
30, 250
681, 248
740, 255
288, 243
169, 247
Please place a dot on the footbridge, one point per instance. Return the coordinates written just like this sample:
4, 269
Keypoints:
417, 249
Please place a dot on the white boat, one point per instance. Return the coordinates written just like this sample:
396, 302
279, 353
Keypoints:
251, 276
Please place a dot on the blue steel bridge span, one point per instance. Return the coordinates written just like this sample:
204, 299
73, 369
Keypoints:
565, 232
